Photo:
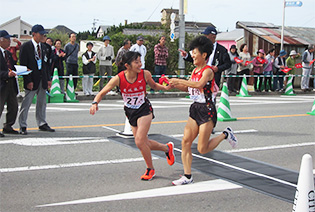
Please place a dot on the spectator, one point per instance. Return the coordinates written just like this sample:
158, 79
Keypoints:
258, 69
291, 61
89, 60
34, 56
139, 47
14, 49
279, 64
232, 70
50, 42
307, 67
268, 69
8, 84
59, 56
105, 55
72, 50
160, 56
48, 45
243, 68
123, 50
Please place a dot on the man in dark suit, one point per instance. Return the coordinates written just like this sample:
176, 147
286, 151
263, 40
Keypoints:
219, 60
34, 55
8, 84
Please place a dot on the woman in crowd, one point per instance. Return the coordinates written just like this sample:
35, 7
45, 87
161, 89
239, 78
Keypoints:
243, 67
268, 69
258, 69
59, 56
232, 70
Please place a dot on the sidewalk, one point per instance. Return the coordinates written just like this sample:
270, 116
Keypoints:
82, 97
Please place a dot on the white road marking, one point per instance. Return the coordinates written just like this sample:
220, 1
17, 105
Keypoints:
241, 169
54, 141
71, 165
112, 129
206, 186
217, 133
270, 147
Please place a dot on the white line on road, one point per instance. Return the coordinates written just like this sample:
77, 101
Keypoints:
112, 129
270, 147
206, 186
71, 165
55, 141
241, 169
217, 133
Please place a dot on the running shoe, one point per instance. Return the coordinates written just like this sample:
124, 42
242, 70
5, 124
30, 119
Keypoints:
183, 181
170, 156
148, 175
231, 137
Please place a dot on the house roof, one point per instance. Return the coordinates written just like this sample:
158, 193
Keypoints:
62, 29
103, 27
15, 19
272, 33
232, 35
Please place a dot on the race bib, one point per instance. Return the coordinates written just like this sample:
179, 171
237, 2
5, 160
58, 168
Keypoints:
196, 95
133, 100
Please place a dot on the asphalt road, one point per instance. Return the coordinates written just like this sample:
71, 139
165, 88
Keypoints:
78, 162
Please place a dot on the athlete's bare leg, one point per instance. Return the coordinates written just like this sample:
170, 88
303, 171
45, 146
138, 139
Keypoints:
204, 144
190, 133
142, 141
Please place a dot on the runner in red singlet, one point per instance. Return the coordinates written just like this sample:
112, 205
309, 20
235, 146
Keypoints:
202, 113
132, 83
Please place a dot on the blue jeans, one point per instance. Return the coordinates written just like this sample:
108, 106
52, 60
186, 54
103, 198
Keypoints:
278, 79
158, 70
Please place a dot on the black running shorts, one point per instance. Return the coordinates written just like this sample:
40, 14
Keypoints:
134, 114
202, 113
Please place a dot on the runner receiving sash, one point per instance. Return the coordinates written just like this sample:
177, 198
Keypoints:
202, 113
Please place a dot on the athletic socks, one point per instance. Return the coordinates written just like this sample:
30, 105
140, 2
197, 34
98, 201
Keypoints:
188, 176
226, 134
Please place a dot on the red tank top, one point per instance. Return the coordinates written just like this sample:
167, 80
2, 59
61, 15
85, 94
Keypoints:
133, 93
203, 95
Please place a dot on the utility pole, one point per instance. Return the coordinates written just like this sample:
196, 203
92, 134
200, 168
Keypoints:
181, 62
282, 29
287, 4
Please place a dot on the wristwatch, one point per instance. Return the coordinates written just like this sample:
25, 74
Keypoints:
94, 103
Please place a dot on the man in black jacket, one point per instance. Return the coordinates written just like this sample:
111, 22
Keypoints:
219, 60
8, 84
35, 56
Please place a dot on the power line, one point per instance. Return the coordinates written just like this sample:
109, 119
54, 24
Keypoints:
154, 10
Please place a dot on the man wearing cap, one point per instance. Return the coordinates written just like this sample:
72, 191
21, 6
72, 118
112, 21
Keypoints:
279, 64
35, 57
105, 55
72, 50
219, 60
307, 57
139, 47
8, 84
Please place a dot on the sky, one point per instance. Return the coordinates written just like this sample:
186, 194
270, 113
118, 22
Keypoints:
79, 15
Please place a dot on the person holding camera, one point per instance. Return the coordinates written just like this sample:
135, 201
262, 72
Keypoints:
105, 55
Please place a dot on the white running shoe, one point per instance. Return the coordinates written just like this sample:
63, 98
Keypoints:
231, 137
183, 181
